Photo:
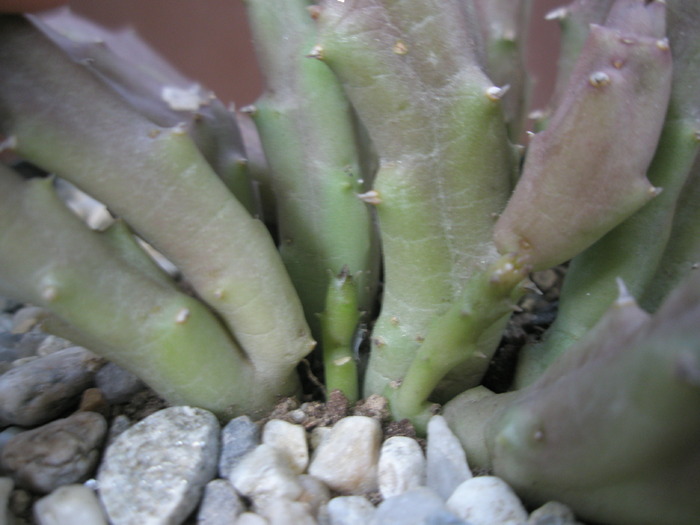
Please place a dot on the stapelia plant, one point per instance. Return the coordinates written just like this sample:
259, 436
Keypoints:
405, 204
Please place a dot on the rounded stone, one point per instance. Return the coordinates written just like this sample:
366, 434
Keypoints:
290, 440
70, 504
154, 473
486, 500
34, 392
401, 466
62, 452
347, 460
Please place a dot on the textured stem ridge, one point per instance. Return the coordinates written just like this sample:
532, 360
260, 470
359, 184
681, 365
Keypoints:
156, 179
445, 161
585, 173
308, 132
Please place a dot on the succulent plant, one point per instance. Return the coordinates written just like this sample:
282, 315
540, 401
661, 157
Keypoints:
391, 197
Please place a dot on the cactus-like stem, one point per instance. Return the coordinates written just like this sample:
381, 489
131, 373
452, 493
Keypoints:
445, 161
453, 339
339, 327
67, 122
585, 173
308, 133
149, 84
633, 251
127, 312
608, 425
503, 24
574, 20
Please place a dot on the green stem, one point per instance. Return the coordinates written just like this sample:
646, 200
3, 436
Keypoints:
339, 324
453, 338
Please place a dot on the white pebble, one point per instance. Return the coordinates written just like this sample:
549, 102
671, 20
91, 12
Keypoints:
250, 518
285, 512
401, 466
290, 440
68, 505
317, 436
347, 460
349, 510
315, 492
446, 461
264, 475
487, 500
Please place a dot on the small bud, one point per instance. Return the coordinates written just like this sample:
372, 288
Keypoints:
249, 110
400, 48
49, 293
663, 44
496, 93
182, 316
599, 79
559, 13
371, 197
342, 361
314, 11
316, 52
379, 341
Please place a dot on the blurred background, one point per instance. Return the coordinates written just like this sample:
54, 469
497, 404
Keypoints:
209, 41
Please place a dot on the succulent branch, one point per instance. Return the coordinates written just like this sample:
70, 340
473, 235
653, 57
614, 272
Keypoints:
308, 132
417, 106
154, 177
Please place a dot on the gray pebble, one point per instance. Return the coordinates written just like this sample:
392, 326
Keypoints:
36, 391
51, 344
26, 318
6, 485
117, 384
349, 510
446, 465
220, 505
154, 472
69, 505
238, 438
59, 453
347, 460
421, 506
5, 436
487, 500
5, 319
401, 466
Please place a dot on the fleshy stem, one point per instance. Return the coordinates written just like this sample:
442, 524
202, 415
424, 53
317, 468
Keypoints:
453, 337
338, 324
